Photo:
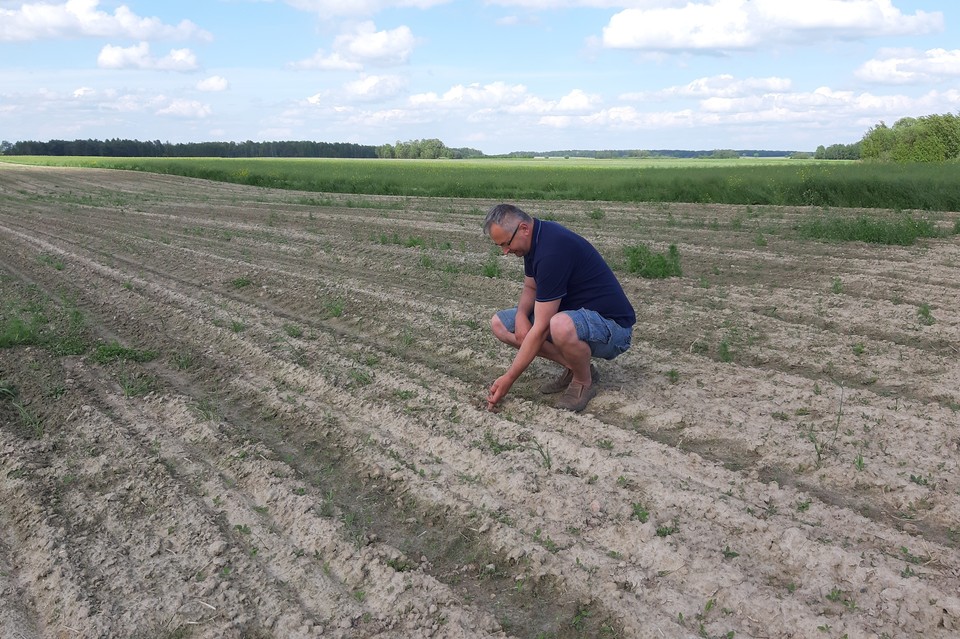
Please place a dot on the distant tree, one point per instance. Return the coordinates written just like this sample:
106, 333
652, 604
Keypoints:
723, 154
838, 152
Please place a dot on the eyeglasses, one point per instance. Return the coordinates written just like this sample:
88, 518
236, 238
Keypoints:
507, 244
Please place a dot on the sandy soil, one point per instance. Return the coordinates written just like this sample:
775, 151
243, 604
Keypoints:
293, 442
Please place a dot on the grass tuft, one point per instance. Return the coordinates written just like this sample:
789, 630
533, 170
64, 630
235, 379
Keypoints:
114, 351
645, 263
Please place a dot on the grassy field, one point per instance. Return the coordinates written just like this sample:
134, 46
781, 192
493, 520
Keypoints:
755, 181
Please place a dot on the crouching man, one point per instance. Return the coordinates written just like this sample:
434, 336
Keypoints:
571, 309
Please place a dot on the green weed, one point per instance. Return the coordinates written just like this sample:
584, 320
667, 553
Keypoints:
491, 269
292, 330
241, 282
647, 264
640, 513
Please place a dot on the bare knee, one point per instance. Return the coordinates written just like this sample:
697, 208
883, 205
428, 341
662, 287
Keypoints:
562, 329
500, 331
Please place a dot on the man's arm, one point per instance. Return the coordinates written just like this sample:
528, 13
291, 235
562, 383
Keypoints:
525, 306
531, 345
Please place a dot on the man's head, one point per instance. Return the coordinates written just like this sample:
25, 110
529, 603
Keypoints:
510, 228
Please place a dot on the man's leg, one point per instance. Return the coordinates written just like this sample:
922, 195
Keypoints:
573, 352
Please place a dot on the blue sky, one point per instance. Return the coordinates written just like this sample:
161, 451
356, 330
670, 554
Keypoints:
494, 75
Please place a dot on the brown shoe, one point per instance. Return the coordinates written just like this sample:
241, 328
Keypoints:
564, 379
576, 397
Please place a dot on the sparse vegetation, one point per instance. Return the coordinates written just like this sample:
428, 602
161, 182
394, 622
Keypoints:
341, 440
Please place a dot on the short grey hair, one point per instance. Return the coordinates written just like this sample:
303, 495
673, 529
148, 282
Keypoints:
503, 214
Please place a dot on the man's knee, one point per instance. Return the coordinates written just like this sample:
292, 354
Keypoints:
562, 328
499, 330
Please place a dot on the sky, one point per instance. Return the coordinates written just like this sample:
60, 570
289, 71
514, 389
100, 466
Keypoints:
493, 75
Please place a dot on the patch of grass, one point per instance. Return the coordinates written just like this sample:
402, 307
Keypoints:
241, 282
292, 330
55, 262
183, 361
724, 352
14, 331
545, 457
335, 308
409, 242
903, 230
596, 214
28, 424
923, 314
496, 446
361, 378
836, 285
644, 262
640, 513
114, 351
136, 384
491, 269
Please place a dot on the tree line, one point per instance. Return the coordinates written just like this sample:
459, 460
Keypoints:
156, 149
929, 138
429, 149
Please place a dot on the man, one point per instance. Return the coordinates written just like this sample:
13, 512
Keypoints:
571, 308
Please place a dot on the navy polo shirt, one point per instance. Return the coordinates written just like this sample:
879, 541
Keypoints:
567, 267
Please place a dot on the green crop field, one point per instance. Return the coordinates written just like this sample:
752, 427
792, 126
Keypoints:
775, 181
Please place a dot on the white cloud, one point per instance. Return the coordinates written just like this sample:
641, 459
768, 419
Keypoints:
83, 92
81, 18
374, 87
132, 103
362, 46
576, 101
908, 66
724, 85
493, 94
745, 24
543, 5
189, 109
323, 61
213, 84
139, 57
368, 45
336, 8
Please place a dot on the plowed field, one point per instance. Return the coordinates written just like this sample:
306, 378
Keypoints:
237, 412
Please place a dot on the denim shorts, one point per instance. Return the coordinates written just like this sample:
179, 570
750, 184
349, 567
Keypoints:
606, 338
